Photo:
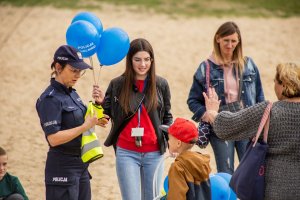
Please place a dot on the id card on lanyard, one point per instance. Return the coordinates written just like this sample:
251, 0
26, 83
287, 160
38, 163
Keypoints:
138, 132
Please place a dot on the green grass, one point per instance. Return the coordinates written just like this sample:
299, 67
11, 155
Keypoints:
252, 8
283, 8
55, 3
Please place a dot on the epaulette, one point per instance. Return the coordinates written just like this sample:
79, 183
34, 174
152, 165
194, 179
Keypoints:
50, 93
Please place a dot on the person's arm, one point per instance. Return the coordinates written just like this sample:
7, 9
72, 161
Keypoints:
233, 126
18, 188
167, 116
195, 100
107, 102
50, 113
239, 125
65, 136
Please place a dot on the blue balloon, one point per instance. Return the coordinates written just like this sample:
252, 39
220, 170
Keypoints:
219, 188
83, 36
227, 178
113, 46
166, 184
90, 17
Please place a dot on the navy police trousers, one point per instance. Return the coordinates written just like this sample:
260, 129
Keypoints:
66, 177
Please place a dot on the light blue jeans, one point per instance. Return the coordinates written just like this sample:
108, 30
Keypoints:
135, 173
224, 152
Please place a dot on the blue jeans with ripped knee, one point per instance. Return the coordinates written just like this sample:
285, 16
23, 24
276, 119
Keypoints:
224, 152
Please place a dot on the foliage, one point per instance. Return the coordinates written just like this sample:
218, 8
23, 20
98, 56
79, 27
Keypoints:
253, 8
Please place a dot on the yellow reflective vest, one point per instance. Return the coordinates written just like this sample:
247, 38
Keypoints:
91, 149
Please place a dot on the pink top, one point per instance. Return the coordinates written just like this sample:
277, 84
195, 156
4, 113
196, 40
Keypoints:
231, 84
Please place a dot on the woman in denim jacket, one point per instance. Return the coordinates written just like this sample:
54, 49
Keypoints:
226, 63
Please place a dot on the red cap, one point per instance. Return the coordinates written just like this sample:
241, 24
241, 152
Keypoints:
184, 130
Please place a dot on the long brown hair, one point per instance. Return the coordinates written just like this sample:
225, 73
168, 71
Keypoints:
137, 45
226, 29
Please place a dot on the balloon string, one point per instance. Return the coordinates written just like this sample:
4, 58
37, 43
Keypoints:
91, 61
98, 80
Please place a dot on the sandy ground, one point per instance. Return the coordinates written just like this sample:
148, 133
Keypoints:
29, 37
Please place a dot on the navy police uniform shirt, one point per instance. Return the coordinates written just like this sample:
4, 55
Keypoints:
60, 108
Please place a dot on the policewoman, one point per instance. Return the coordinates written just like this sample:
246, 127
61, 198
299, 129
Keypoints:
61, 114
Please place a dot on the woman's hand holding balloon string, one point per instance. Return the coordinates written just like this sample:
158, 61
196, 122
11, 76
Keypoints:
97, 94
212, 104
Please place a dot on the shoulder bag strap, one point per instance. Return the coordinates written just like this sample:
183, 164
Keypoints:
207, 75
264, 123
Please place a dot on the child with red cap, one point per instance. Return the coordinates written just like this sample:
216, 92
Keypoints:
189, 174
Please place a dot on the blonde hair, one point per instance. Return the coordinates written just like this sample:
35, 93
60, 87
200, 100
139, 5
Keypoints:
288, 75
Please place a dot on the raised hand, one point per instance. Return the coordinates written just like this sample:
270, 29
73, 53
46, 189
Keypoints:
211, 101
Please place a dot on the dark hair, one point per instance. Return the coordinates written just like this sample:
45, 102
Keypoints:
137, 45
54, 72
226, 29
2, 152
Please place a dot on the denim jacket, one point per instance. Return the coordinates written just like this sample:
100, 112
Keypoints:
252, 91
